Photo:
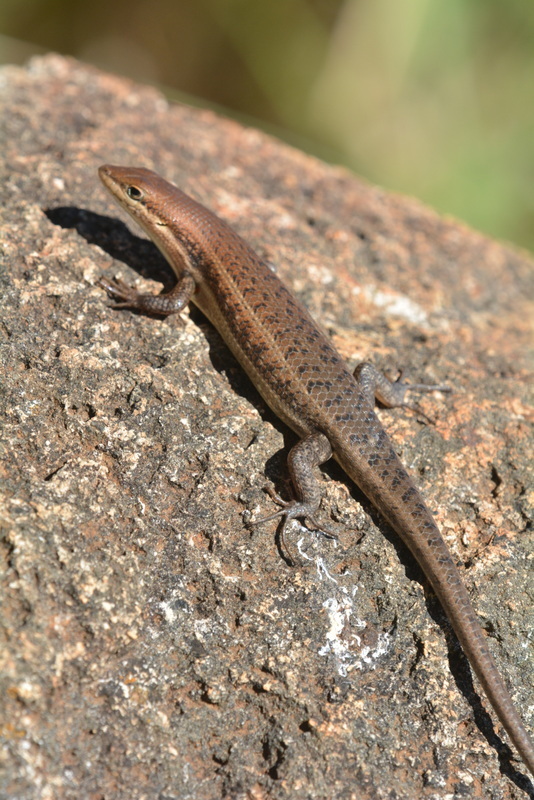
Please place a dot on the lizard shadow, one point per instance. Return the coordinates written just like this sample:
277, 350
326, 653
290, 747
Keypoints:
115, 238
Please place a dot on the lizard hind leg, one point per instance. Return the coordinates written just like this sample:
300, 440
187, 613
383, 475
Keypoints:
303, 460
392, 394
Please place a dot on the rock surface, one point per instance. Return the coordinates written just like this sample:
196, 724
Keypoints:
154, 645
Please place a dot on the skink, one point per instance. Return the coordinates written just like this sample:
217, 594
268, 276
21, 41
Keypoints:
307, 384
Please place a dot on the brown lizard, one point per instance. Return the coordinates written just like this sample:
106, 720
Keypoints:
307, 384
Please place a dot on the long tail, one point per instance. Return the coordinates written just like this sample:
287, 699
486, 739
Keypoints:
435, 559
392, 491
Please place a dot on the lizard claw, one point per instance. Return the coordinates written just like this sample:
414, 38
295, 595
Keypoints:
124, 296
293, 509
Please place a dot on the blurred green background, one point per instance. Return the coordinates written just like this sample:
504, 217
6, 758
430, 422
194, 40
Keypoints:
433, 98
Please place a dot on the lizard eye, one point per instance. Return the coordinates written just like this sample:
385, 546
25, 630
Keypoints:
134, 193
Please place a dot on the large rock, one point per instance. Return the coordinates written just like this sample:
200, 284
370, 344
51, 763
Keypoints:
154, 644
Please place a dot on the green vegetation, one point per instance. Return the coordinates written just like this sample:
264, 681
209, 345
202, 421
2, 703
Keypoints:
430, 98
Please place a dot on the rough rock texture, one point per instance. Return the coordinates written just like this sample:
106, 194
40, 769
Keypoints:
154, 645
